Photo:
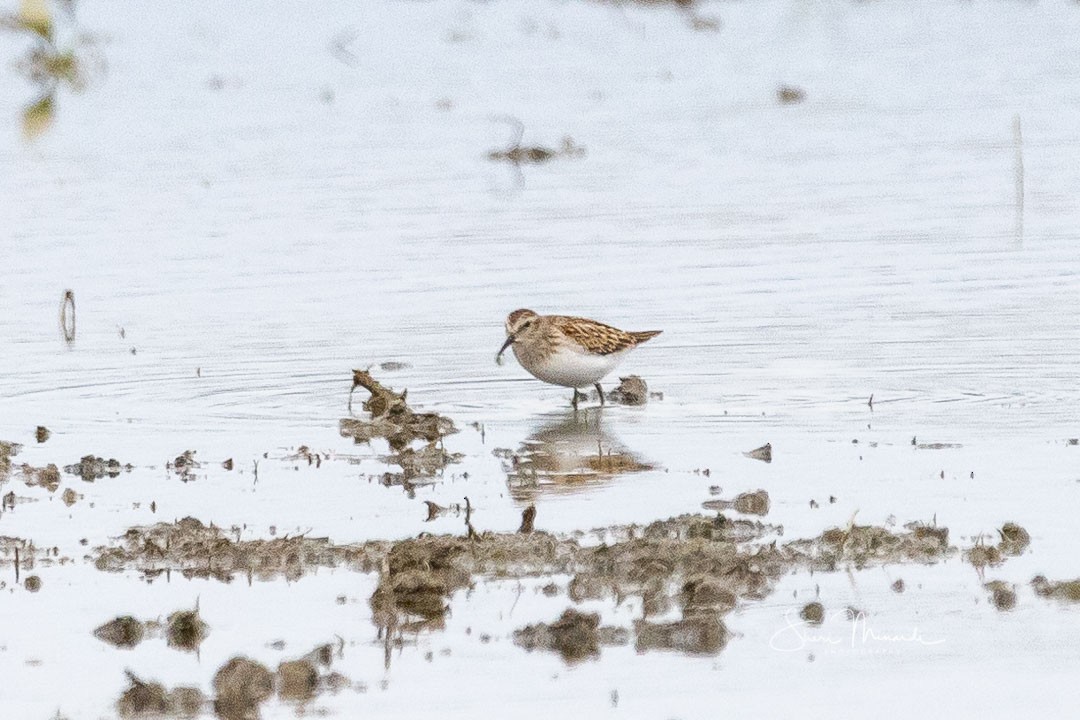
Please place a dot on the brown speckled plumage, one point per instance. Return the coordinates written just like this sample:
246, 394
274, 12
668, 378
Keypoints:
597, 337
594, 337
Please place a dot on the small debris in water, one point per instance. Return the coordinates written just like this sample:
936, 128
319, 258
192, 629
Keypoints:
393, 366
791, 95
91, 468
528, 516
898, 586
184, 465
228, 464
32, 583
69, 496
42, 433
763, 453
748, 503
517, 154
632, 390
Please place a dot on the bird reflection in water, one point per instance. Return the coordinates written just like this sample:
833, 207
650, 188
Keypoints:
567, 454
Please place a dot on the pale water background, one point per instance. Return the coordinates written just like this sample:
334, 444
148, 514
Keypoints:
260, 216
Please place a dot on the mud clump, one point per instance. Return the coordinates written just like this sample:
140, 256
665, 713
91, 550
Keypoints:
706, 594
706, 565
632, 390
1014, 539
613, 463
528, 520
8, 450
240, 686
47, 477
297, 680
863, 545
1067, 590
199, 550
124, 631
69, 496
393, 420
91, 468
419, 577
391, 417
185, 630
698, 634
813, 613
143, 699
576, 636
1002, 595
150, 699
982, 555
300, 680
426, 461
32, 583
748, 503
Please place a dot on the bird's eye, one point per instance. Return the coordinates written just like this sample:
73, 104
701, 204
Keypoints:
526, 324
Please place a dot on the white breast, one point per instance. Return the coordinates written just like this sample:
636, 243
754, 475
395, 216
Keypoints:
571, 368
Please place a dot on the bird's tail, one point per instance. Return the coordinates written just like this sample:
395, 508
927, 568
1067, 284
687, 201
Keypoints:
640, 337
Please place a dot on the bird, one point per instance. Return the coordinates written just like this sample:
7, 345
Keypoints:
570, 351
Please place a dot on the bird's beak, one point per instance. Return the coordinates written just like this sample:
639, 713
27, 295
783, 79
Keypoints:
509, 341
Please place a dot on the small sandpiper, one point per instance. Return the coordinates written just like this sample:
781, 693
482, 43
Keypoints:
569, 351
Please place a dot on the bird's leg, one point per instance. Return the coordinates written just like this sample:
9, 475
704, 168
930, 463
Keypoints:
573, 401
601, 391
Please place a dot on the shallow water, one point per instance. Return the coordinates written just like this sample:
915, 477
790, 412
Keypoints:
243, 218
